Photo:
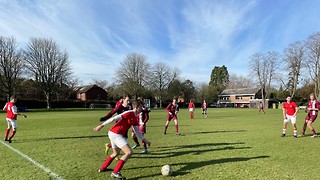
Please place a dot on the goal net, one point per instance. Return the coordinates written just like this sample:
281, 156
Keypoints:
100, 106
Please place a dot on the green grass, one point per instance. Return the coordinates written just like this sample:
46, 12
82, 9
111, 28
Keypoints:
229, 144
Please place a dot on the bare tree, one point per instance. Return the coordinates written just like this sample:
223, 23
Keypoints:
11, 65
313, 60
264, 67
293, 58
161, 76
48, 65
101, 83
239, 81
133, 74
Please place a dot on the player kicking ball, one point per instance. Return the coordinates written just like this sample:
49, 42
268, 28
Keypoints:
118, 140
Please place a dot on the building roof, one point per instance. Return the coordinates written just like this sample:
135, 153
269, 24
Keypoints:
240, 91
86, 88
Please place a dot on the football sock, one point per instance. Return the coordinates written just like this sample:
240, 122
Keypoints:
7, 133
314, 132
135, 139
295, 132
119, 166
12, 134
109, 145
144, 145
177, 128
107, 162
284, 131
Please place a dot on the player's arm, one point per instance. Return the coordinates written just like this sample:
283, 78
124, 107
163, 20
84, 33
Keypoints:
139, 135
115, 118
110, 114
284, 113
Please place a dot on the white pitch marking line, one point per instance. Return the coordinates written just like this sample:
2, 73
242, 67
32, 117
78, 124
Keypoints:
34, 162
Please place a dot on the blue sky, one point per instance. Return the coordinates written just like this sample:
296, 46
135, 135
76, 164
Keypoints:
192, 35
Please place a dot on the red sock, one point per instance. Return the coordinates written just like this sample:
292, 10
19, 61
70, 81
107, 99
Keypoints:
12, 134
119, 166
313, 131
165, 129
107, 162
109, 145
177, 129
7, 133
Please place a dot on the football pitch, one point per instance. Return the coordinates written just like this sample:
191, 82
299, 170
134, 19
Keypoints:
228, 144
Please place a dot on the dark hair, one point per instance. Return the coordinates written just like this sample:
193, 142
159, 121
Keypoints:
136, 103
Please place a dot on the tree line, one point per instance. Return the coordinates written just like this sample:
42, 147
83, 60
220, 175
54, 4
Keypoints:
295, 72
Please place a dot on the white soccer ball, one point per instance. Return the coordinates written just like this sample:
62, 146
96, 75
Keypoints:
166, 170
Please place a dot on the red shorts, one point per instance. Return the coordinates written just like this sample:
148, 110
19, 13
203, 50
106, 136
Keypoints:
311, 117
169, 117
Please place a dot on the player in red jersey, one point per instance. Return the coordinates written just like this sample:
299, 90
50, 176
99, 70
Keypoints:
172, 110
312, 113
11, 118
122, 105
204, 109
289, 110
191, 109
117, 134
143, 119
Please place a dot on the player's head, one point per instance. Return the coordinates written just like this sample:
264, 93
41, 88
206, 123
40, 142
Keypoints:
137, 105
13, 99
312, 96
126, 100
174, 100
288, 99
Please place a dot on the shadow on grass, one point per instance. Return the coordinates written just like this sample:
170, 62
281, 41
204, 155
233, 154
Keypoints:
195, 165
62, 138
195, 149
198, 145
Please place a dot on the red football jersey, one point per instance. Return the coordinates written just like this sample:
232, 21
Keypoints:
11, 110
128, 119
290, 108
191, 105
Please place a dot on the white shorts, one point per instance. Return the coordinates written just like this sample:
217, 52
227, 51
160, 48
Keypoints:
12, 123
191, 109
117, 140
291, 119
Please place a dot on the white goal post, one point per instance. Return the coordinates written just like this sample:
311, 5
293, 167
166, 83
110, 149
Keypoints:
100, 106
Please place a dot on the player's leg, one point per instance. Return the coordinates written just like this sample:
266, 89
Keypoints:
169, 117
294, 126
114, 140
295, 131
135, 139
8, 129
309, 124
143, 130
14, 125
176, 125
284, 128
304, 126
127, 154
205, 113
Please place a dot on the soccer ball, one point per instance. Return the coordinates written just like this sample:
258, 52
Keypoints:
166, 170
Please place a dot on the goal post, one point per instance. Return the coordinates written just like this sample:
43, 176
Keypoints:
147, 103
100, 106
